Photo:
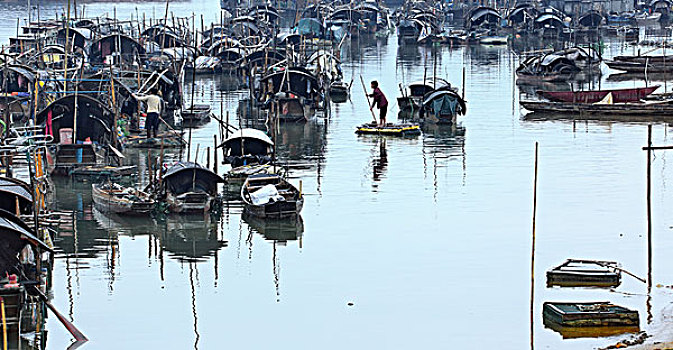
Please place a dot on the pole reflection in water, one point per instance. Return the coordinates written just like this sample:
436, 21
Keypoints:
379, 163
193, 271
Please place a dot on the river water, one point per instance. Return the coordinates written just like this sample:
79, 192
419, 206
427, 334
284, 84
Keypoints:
428, 238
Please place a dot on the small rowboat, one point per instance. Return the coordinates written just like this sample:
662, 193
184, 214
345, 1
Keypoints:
339, 91
618, 95
196, 113
593, 314
114, 198
403, 129
270, 196
585, 273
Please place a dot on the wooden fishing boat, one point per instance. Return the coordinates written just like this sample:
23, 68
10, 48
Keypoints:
591, 314
412, 96
196, 113
649, 59
103, 172
237, 176
618, 95
493, 40
339, 91
114, 198
585, 273
19, 261
15, 196
249, 151
641, 67
271, 197
642, 109
391, 129
190, 188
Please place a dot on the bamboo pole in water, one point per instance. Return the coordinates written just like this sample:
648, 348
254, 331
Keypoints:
649, 207
215, 154
369, 104
532, 254
65, 49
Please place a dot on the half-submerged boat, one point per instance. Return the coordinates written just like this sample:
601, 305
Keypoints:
618, 95
590, 314
391, 129
271, 197
111, 197
585, 273
190, 187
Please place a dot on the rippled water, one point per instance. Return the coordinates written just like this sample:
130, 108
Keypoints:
429, 238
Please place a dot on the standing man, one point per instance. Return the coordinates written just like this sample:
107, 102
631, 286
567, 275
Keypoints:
380, 101
153, 109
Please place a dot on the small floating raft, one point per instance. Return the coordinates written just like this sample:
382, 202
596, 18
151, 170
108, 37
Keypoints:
585, 273
593, 314
403, 129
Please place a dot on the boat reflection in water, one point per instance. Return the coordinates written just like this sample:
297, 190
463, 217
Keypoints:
279, 232
589, 332
276, 230
190, 238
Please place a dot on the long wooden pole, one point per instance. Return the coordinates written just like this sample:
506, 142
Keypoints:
369, 104
79, 336
532, 253
67, 38
649, 206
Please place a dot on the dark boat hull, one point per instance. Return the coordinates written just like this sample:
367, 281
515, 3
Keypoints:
624, 109
618, 95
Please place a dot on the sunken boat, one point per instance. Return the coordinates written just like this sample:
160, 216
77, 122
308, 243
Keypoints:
589, 314
585, 273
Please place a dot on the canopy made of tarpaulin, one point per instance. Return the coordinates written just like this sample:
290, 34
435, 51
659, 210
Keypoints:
186, 177
94, 119
294, 81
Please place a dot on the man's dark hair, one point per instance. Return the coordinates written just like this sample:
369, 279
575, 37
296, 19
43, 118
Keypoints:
375, 83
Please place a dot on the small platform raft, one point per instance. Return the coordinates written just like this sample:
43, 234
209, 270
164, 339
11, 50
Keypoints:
589, 320
392, 129
585, 273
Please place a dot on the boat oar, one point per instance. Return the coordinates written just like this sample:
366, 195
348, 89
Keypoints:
79, 336
364, 88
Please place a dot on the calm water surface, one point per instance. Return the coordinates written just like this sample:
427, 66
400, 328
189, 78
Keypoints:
429, 238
